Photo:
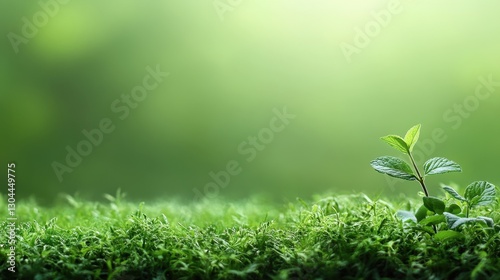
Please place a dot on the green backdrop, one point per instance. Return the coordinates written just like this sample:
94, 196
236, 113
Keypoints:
348, 71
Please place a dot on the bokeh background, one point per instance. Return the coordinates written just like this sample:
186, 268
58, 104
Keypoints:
231, 63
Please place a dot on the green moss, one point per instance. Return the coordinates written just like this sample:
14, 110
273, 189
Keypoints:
348, 237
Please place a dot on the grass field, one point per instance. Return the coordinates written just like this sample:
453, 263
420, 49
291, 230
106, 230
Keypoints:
327, 237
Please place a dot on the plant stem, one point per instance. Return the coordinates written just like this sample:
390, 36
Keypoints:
420, 179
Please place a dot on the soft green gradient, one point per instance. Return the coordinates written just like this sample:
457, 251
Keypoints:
225, 79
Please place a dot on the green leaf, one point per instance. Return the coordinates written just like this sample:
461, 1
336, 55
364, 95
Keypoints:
406, 215
434, 204
450, 218
454, 209
480, 193
394, 167
432, 220
439, 165
421, 213
396, 142
411, 136
453, 193
447, 235
426, 229
455, 221
489, 221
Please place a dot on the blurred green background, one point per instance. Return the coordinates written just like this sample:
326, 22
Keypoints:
231, 63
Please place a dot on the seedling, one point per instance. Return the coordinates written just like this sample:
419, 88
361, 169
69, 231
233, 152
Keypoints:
434, 210
479, 193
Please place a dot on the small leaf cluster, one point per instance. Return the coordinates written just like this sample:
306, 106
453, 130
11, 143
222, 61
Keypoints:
434, 210
398, 168
480, 193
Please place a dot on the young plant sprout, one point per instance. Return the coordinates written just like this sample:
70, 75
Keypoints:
398, 168
434, 210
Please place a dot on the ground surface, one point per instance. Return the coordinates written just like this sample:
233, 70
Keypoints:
342, 237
